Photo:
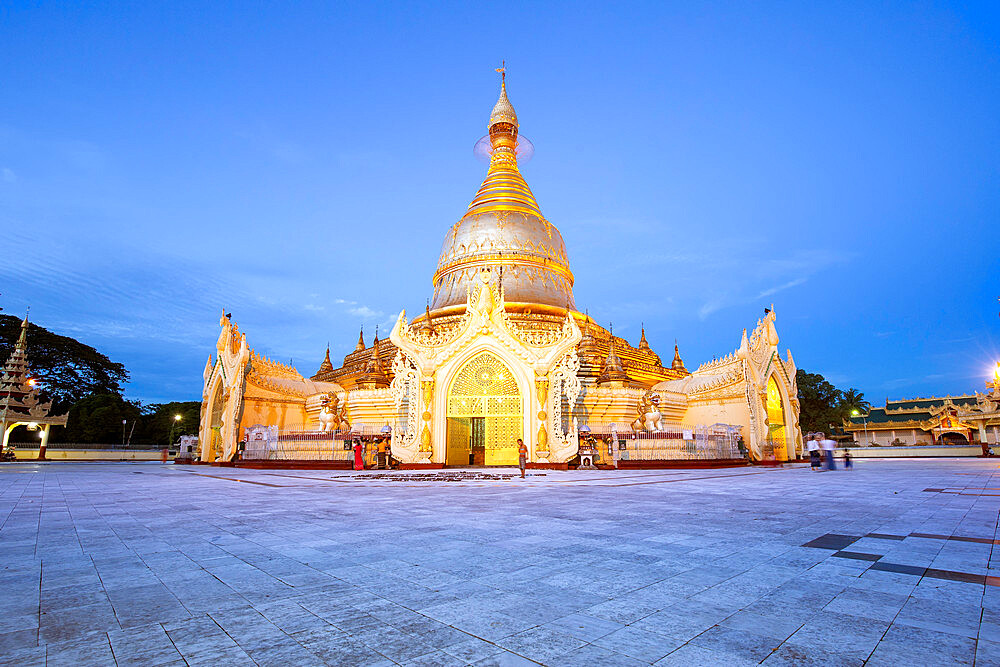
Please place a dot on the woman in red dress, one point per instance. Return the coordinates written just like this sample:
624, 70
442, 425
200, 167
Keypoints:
359, 462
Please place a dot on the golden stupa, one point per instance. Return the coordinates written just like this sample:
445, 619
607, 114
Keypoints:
504, 230
500, 353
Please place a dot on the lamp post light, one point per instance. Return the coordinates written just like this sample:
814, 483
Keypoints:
177, 420
864, 421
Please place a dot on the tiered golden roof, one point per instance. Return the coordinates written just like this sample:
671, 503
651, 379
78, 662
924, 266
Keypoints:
504, 230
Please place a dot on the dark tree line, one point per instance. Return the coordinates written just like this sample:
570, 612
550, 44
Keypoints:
88, 385
67, 369
822, 405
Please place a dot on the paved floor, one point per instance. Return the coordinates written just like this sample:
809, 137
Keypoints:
150, 564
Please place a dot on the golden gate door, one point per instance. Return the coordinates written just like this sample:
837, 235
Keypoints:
485, 388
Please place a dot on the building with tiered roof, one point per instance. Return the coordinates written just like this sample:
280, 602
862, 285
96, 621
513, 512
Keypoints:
20, 403
502, 352
957, 420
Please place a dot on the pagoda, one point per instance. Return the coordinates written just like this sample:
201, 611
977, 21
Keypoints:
501, 353
19, 396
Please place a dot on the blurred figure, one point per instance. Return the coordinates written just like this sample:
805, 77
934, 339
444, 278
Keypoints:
812, 444
848, 463
522, 456
828, 446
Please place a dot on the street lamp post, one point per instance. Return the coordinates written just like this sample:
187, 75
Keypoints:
177, 420
864, 421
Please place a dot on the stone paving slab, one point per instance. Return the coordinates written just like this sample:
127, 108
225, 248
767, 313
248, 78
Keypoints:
150, 564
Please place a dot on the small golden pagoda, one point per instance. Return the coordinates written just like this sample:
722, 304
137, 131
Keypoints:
501, 352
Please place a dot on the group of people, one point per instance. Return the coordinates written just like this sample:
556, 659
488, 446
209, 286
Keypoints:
817, 443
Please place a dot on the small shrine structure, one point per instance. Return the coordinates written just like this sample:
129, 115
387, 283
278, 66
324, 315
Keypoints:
19, 397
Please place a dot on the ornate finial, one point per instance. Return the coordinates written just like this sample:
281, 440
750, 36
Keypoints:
361, 341
503, 110
22, 340
643, 343
375, 342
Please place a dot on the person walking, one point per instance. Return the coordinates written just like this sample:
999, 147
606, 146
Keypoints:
812, 444
848, 462
522, 456
828, 446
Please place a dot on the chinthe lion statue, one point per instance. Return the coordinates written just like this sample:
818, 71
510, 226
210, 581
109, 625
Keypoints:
650, 418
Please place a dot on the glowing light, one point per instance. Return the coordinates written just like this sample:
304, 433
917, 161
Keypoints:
177, 418
855, 413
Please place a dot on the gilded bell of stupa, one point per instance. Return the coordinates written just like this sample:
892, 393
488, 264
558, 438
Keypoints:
504, 231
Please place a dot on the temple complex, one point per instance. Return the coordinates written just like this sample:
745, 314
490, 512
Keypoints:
20, 404
953, 420
502, 352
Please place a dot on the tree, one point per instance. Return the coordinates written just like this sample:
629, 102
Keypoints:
852, 400
98, 419
68, 369
821, 405
159, 426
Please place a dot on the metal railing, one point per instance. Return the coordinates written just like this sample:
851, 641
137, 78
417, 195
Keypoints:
719, 441
132, 447
300, 446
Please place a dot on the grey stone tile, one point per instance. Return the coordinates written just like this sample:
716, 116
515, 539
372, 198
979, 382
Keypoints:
904, 643
23, 657
18, 639
590, 655
640, 644
738, 642
583, 626
147, 645
473, 650
691, 655
68, 624
91, 650
540, 644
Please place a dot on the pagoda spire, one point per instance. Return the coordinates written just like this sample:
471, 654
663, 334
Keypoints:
678, 363
374, 376
20, 402
327, 365
643, 343
613, 372
360, 347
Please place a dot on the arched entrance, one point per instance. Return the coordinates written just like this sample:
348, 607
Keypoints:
776, 421
484, 414
953, 438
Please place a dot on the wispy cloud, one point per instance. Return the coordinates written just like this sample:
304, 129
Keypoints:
774, 290
365, 312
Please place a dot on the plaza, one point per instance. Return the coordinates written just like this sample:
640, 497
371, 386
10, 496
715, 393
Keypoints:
117, 563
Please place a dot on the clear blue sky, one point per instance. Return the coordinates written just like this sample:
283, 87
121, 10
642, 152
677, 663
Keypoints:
298, 164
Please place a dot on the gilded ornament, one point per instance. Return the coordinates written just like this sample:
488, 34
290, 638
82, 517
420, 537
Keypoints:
426, 415
541, 415
428, 393
542, 387
425, 439
543, 438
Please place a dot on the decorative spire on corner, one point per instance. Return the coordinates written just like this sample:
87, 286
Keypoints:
374, 376
326, 365
643, 343
613, 372
360, 347
427, 325
678, 363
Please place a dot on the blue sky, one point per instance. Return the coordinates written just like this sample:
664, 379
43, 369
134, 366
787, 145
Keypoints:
298, 164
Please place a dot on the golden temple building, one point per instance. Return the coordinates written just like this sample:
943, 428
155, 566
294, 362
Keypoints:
502, 352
